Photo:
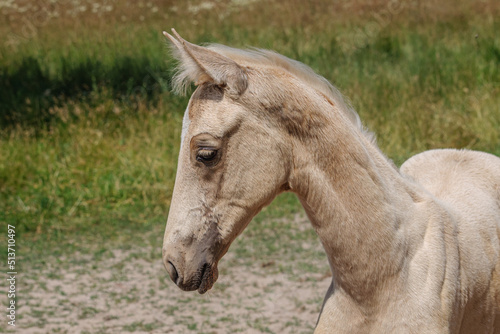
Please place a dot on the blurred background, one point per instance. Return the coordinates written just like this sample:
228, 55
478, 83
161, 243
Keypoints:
89, 130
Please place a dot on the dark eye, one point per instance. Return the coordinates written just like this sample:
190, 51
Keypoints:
207, 156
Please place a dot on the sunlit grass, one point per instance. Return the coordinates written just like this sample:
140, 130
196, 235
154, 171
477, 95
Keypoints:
90, 132
124, 167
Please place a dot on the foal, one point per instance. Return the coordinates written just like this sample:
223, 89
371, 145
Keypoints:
414, 250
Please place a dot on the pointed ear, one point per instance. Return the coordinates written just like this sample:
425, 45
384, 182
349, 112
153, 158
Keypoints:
200, 64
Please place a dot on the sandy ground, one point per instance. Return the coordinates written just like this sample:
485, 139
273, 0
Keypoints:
129, 291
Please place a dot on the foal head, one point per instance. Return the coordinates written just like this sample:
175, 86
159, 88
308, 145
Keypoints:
232, 162
249, 128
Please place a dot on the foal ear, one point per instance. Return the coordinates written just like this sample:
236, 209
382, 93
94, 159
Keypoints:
200, 64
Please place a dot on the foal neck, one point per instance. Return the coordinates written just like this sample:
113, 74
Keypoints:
357, 202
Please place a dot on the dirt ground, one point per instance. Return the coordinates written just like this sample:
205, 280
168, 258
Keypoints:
129, 291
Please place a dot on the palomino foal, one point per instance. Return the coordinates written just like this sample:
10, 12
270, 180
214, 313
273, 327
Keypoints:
414, 250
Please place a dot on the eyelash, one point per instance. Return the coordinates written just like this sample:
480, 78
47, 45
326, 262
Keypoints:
207, 156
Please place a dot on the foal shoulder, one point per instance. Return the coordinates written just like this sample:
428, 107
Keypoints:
466, 184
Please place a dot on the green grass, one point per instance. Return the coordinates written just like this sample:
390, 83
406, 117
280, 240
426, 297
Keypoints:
89, 132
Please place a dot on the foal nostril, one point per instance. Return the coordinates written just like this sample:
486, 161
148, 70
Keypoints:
172, 271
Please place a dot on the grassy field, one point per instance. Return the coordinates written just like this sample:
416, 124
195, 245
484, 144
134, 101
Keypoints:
89, 138
89, 131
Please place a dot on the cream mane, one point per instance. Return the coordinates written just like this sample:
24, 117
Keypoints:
188, 72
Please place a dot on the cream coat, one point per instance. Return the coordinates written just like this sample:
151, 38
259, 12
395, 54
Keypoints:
414, 250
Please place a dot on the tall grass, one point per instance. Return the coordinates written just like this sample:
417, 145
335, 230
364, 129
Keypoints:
90, 133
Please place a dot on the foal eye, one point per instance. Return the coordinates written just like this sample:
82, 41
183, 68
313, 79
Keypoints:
207, 156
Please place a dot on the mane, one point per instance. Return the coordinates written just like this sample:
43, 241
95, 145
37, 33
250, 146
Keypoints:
187, 73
